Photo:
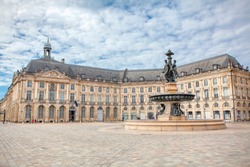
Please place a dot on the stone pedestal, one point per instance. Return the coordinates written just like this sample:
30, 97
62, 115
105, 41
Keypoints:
177, 118
171, 87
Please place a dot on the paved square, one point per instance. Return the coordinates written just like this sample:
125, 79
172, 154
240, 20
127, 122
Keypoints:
108, 144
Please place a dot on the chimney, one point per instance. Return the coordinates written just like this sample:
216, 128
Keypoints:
62, 60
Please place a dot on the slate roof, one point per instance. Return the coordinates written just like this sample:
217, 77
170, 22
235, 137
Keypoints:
93, 73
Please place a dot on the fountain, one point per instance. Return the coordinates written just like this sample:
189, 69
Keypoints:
171, 117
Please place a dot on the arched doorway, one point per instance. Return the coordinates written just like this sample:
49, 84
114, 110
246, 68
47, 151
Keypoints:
216, 115
125, 116
72, 112
227, 115
100, 114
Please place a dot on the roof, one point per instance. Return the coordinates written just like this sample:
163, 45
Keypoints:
93, 73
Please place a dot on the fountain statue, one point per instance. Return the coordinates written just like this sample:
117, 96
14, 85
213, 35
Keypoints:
170, 116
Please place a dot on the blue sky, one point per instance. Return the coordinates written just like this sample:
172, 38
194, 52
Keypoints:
121, 34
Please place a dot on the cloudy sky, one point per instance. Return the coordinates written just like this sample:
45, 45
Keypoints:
119, 34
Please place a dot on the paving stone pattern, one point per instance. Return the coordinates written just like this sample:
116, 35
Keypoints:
109, 145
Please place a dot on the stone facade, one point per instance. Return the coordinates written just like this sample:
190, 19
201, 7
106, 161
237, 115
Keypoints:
53, 91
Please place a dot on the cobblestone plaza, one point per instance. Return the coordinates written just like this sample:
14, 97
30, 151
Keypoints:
108, 144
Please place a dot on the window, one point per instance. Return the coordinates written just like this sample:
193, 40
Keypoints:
107, 99
242, 92
91, 89
99, 89
150, 89
142, 79
141, 98
141, 90
61, 96
28, 112
41, 95
226, 104
216, 105
206, 105
197, 84
125, 80
41, 84
197, 105
72, 97
107, 112
115, 90
149, 99
83, 112
28, 95
158, 89
62, 86
83, 88
216, 93
72, 87
115, 99
29, 84
189, 85
224, 79
51, 112
205, 82
206, 94
99, 98
133, 90
182, 87
51, 95
107, 90
225, 91
91, 98
40, 112
125, 90
125, 99
61, 112
133, 99
91, 114
197, 94
115, 112
198, 70
83, 98
215, 81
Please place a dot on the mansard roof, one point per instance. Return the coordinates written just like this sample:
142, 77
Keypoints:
93, 73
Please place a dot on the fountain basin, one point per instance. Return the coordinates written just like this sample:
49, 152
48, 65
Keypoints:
175, 125
173, 97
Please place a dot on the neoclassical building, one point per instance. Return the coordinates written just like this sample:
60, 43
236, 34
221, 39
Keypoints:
47, 90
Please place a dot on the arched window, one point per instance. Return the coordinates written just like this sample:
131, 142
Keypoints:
226, 104
83, 112
238, 104
141, 108
216, 104
158, 78
133, 108
150, 108
91, 114
40, 112
197, 105
107, 112
244, 104
114, 79
115, 112
125, 108
99, 78
28, 111
51, 112
206, 105
62, 112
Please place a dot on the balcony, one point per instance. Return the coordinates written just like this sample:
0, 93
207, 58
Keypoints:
125, 104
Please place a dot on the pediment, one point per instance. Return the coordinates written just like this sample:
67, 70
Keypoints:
52, 74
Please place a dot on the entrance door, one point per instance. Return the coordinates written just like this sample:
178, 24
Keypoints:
71, 115
100, 115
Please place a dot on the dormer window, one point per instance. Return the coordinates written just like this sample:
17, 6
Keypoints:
83, 76
114, 79
46, 68
183, 73
158, 78
142, 79
125, 80
99, 78
198, 70
216, 66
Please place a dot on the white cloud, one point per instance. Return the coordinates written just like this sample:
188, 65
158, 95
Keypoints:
133, 34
